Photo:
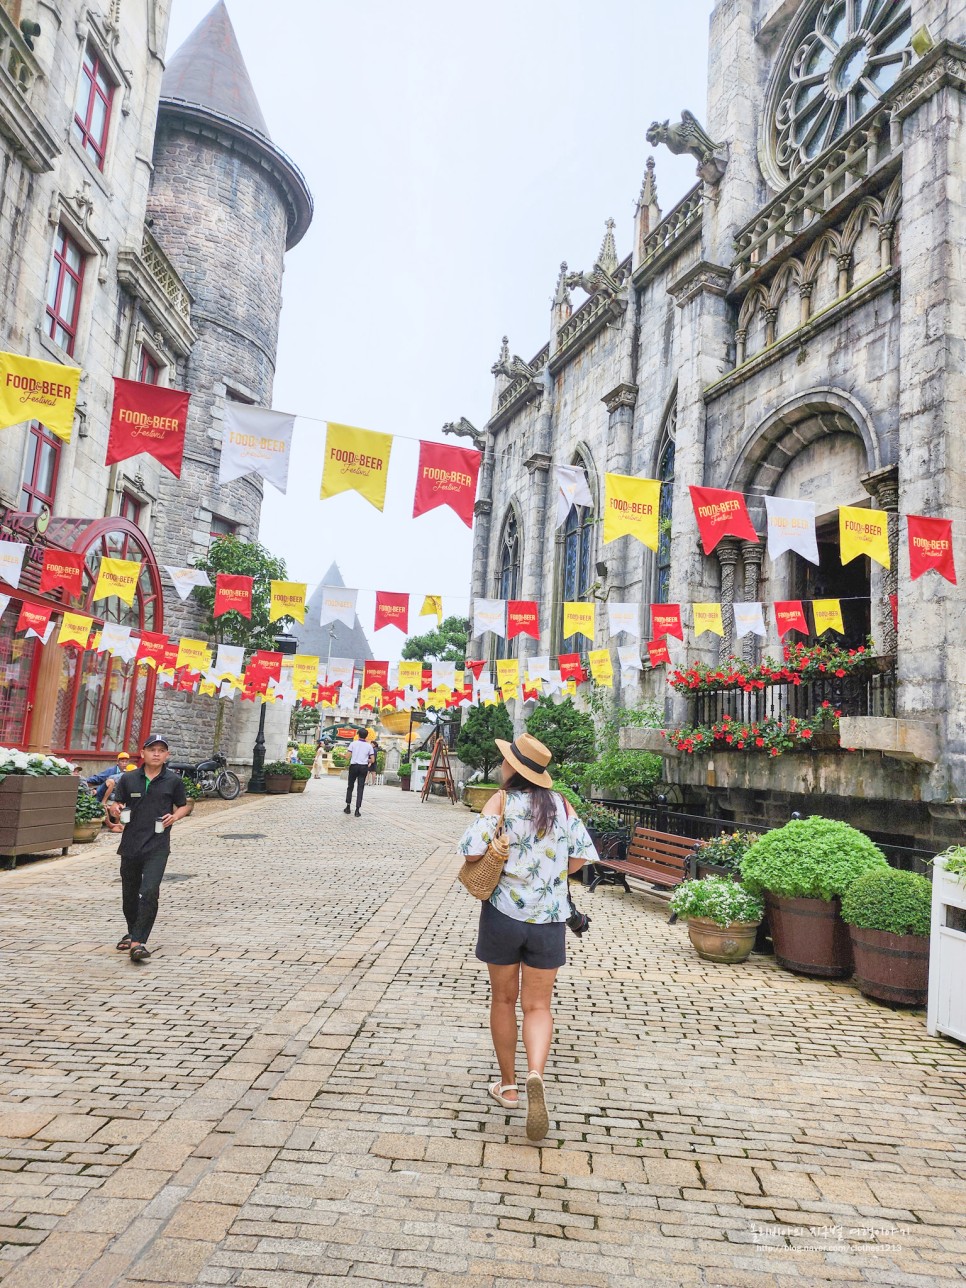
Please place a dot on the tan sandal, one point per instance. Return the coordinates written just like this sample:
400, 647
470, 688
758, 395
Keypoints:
538, 1120
498, 1092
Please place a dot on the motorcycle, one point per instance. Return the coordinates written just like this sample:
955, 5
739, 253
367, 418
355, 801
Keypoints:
210, 776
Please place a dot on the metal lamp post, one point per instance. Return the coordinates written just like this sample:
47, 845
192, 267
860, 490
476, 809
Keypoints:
287, 645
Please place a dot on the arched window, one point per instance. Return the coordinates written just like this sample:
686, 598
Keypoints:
577, 566
509, 579
665, 472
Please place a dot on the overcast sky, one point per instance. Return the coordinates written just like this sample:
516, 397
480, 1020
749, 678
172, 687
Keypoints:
456, 153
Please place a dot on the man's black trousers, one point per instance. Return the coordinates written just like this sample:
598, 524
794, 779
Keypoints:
140, 883
357, 779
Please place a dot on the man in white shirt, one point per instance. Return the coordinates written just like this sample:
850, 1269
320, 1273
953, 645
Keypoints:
361, 756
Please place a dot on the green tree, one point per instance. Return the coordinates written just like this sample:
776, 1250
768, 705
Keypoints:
567, 732
250, 559
447, 644
476, 746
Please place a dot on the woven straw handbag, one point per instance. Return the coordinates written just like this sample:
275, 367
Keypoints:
482, 875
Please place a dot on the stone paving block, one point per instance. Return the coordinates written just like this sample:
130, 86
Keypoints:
22, 1123
171, 1261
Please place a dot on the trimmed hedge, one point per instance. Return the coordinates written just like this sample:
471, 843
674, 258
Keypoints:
899, 902
810, 858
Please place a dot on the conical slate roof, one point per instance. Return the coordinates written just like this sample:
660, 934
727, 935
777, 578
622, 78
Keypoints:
209, 70
316, 641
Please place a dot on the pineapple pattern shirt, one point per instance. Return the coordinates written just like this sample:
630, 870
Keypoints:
533, 886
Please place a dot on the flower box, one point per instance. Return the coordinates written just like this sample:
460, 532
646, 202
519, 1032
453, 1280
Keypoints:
36, 814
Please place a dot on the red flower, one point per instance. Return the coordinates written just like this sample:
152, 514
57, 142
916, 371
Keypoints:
773, 752
840, 672
759, 742
806, 733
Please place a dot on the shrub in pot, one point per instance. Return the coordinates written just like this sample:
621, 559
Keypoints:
405, 775
722, 917
278, 777
803, 869
721, 855
888, 914
193, 792
88, 817
300, 777
38, 797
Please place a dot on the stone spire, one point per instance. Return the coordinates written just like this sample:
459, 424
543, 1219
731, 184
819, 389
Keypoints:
607, 255
209, 70
647, 212
648, 194
561, 294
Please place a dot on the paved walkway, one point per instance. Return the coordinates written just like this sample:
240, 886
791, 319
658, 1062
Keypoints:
292, 1094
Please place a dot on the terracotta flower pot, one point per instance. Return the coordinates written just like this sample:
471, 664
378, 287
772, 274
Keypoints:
298, 784
892, 968
84, 833
278, 784
716, 943
406, 783
476, 795
809, 936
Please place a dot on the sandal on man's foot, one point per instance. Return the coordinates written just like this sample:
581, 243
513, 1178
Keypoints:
498, 1092
123, 945
140, 953
538, 1120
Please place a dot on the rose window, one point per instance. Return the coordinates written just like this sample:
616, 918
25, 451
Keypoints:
837, 61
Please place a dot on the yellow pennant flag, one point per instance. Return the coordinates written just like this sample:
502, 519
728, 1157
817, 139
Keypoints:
578, 619
34, 390
194, 654
707, 617
305, 671
433, 604
569, 689
356, 460
208, 688
371, 697
410, 675
601, 666
631, 508
118, 577
458, 680
75, 629
288, 600
864, 532
507, 672
828, 615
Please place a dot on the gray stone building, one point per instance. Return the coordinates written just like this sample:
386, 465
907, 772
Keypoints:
792, 327
144, 217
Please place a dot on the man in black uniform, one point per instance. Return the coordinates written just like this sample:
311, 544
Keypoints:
154, 796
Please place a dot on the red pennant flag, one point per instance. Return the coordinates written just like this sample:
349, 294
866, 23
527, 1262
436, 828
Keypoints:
447, 476
169, 655
62, 570
657, 652
392, 697
666, 620
570, 668
375, 673
392, 609
521, 618
148, 418
894, 605
233, 594
476, 667
790, 616
427, 680
33, 619
930, 547
151, 648
530, 694
721, 514
270, 663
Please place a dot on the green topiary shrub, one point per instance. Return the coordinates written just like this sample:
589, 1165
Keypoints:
301, 773
899, 902
810, 858
279, 769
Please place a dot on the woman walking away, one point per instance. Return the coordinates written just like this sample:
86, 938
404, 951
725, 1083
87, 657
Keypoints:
523, 924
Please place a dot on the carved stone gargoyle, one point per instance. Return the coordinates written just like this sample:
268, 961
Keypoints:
462, 428
689, 136
512, 368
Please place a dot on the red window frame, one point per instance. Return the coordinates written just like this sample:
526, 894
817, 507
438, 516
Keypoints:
149, 370
41, 445
130, 508
95, 87
61, 324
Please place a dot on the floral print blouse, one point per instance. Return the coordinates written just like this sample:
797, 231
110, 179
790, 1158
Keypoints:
534, 882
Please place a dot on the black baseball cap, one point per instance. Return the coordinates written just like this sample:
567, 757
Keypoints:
153, 739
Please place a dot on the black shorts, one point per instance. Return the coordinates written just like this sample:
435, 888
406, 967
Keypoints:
504, 941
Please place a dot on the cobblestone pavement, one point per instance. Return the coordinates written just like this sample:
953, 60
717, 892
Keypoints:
292, 1093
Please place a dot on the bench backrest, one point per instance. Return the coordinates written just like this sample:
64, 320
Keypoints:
662, 850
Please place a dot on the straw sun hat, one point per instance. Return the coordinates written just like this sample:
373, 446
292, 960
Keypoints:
528, 757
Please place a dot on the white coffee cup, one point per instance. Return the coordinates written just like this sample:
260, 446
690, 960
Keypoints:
125, 816
159, 826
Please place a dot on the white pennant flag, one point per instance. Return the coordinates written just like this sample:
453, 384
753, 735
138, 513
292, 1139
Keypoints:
4, 601
489, 615
348, 696
230, 660
624, 617
256, 441
444, 673
338, 605
185, 579
339, 670
629, 656
749, 619
11, 561
791, 526
485, 691
114, 639
572, 489
553, 681
538, 668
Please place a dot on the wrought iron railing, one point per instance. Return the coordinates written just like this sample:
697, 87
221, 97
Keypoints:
864, 693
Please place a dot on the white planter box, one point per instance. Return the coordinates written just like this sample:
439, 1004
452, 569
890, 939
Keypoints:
947, 956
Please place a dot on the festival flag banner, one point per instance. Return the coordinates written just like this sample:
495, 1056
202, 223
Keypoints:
169, 656
570, 668
507, 672
356, 460
369, 697
578, 619
601, 667
447, 476
666, 620
790, 616
207, 688
893, 604
721, 513
31, 389
631, 508
522, 619
475, 665
444, 674
375, 673
229, 661
233, 594
256, 440
62, 571
572, 489
305, 672
185, 579
864, 532
629, 656
269, 661
433, 604
148, 418
930, 547
75, 628
410, 675
538, 668
151, 648
338, 605
489, 615
118, 577
116, 640
828, 616
4, 603
33, 620
791, 526
338, 670
749, 619
392, 609
194, 654
287, 600
11, 562
707, 617
624, 617
657, 652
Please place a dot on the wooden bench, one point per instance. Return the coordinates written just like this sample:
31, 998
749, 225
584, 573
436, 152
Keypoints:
659, 858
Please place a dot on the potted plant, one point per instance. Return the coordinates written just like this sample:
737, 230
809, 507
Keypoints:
476, 747
88, 817
803, 869
300, 777
193, 792
278, 777
38, 800
405, 775
888, 914
721, 855
722, 917
338, 760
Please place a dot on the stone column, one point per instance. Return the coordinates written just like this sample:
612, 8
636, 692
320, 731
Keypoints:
752, 555
727, 552
883, 486
537, 534
482, 516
